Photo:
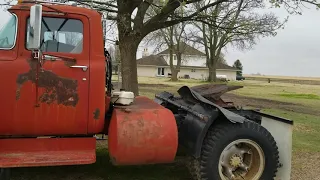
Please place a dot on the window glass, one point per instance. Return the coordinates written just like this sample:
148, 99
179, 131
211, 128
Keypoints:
60, 35
8, 30
160, 71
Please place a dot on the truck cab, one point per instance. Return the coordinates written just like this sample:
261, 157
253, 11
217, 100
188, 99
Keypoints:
65, 93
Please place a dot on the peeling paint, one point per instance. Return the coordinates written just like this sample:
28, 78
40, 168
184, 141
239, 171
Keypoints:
96, 114
57, 89
18, 94
70, 63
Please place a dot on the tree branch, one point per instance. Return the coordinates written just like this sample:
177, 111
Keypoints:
159, 20
98, 2
142, 10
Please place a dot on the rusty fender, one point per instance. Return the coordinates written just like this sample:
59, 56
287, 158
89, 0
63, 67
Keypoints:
194, 116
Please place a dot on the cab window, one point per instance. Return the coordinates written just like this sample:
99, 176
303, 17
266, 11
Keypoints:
8, 30
60, 35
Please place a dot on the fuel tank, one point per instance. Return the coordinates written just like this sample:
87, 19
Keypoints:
142, 133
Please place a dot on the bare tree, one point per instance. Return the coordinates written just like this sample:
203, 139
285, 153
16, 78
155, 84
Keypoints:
238, 25
175, 39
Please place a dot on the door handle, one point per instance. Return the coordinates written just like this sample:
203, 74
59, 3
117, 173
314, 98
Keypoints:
84, 68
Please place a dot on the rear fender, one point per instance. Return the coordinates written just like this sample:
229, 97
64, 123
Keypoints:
192, 126
192, 96
192, 129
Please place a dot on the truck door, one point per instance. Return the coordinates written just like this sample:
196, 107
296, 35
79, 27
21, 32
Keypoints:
54, 96
8, 62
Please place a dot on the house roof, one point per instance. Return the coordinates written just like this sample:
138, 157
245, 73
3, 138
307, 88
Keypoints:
219, 67
225, 66
157, 60
185, 49
153, 60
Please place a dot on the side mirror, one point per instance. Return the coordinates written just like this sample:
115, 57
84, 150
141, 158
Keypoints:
35, 27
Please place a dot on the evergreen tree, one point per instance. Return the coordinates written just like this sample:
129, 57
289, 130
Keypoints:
237, 64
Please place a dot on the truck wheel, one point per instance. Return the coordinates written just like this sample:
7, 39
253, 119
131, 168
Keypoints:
237, 151
4, 174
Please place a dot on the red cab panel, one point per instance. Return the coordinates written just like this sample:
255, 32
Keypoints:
32, 152
142, 133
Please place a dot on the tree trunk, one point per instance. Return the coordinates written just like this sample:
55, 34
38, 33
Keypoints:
212, 70
174, 74
212, 75
128, 53
176, 70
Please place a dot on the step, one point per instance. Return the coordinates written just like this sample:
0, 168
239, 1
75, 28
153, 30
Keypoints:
47, 152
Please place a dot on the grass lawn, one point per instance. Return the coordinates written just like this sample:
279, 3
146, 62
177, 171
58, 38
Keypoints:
293, 101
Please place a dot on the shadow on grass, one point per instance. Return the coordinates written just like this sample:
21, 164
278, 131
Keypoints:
103, 170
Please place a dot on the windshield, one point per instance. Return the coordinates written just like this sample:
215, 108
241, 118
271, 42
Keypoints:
8, 31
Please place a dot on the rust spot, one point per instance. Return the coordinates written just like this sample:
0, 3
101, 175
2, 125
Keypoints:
96, 114
70, 63
57, 89
141, 122
18, 94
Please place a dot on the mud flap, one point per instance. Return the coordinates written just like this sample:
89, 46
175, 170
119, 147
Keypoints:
281, 129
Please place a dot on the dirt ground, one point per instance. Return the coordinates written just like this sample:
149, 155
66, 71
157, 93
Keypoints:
306, 166
268, 104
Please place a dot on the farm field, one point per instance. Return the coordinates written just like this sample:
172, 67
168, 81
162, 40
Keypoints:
285, 79
295, 101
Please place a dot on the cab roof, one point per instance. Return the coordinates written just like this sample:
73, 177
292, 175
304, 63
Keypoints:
47, 7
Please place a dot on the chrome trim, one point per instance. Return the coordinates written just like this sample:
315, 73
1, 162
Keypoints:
15, 38
50, 58
84, 68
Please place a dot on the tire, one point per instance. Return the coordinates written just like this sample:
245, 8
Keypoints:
4, 174
264, 154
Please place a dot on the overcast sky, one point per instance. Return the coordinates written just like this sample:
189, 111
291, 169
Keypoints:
295, 51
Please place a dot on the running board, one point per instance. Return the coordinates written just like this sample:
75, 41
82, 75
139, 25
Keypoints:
33, 152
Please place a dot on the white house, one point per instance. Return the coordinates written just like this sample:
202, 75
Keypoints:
193, 65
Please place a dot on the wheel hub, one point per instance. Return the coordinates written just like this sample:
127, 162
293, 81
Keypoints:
235, 160
241, 159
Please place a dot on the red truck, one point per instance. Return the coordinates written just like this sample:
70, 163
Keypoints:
57, 95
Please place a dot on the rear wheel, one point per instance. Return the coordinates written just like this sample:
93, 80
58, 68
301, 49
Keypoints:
4, 174
236, 151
